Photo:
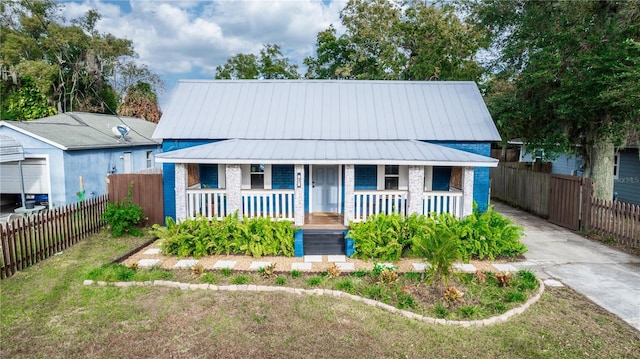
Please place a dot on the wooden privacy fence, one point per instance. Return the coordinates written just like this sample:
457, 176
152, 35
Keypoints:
521, 188
566, 197
566, 201
615, 219
147, 192
31, 239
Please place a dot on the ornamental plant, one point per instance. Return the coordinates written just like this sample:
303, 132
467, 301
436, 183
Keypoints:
124, 216
200, 237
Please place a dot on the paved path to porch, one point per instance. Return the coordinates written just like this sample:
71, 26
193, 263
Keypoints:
151, 256
608, 277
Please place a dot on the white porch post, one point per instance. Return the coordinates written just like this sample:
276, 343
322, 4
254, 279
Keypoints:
298, 195
467, 191
349, 189
416, 188
233, 181
181, 191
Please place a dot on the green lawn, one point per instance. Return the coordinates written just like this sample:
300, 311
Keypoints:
46, 312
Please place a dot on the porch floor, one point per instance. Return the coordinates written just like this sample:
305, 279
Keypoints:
323, 220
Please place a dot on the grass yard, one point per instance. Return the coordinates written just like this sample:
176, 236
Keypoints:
46, 312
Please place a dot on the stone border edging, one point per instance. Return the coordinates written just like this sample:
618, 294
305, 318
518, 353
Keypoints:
335, 293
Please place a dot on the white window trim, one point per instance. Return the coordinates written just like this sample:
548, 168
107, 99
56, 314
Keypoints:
149, 155
428, 178
246, 176
222, 173
616, 165
403, 177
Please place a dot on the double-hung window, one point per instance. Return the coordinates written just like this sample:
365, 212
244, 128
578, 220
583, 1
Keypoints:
391, 177
257, 176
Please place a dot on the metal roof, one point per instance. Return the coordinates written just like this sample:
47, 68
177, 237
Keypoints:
10, 150
405, 152
327, 110
81, 130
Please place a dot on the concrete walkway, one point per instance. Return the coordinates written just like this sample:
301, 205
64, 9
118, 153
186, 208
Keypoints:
608, 277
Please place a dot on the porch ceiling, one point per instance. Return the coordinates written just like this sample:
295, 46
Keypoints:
402, 152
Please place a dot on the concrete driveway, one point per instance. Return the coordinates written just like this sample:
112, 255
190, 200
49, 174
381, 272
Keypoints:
608, 277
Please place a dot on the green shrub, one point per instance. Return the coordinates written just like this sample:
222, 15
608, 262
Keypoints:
124, 216
440, 248
345, 285
385, 237
281, 280
479, 235
468, 311
209, 278
227, 272
376, 292
199, 237
441, 310
524, 280
489, 234
406, 300
240, 279
359, 273
295, 273
314, 281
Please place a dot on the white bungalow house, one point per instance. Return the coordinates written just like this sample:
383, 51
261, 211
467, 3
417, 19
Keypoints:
303, 150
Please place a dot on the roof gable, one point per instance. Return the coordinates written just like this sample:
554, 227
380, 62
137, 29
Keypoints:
80, 130
327, 110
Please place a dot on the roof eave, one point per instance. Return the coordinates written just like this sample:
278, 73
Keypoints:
239, 161
33, 135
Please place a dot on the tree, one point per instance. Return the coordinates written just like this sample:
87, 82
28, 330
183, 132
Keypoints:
397, 41
573, 68
141, 101
269, 64
27, 103
127, 73
68, 64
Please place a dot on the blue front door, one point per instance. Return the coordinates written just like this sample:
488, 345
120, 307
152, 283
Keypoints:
325, 188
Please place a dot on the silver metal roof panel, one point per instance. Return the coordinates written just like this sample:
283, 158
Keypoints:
407, 152
327, 110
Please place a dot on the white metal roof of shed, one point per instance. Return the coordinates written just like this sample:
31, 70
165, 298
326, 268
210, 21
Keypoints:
405, 152
327, 110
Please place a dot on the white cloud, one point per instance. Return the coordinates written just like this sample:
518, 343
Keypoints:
193, 37
188, 39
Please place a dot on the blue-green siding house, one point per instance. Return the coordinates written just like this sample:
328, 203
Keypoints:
291, 149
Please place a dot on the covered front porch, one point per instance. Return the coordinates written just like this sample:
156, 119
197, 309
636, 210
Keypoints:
299, 180
294, 204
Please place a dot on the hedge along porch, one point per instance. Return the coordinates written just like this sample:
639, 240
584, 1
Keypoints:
292, 149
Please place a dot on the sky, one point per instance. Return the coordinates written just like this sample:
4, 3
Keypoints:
188, 39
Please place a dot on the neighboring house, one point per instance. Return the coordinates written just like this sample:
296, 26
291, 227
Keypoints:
626, 171
297, 149
564, 164
59, 149
626, 175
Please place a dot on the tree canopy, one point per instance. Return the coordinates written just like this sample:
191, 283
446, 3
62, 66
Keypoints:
391, 40
269, 64
69, 65
567, 76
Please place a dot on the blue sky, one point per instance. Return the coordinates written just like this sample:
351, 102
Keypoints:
188, 39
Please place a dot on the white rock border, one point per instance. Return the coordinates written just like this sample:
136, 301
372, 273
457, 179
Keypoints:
335, 293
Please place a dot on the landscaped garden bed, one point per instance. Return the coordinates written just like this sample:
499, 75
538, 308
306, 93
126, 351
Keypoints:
437, 241
460, 296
